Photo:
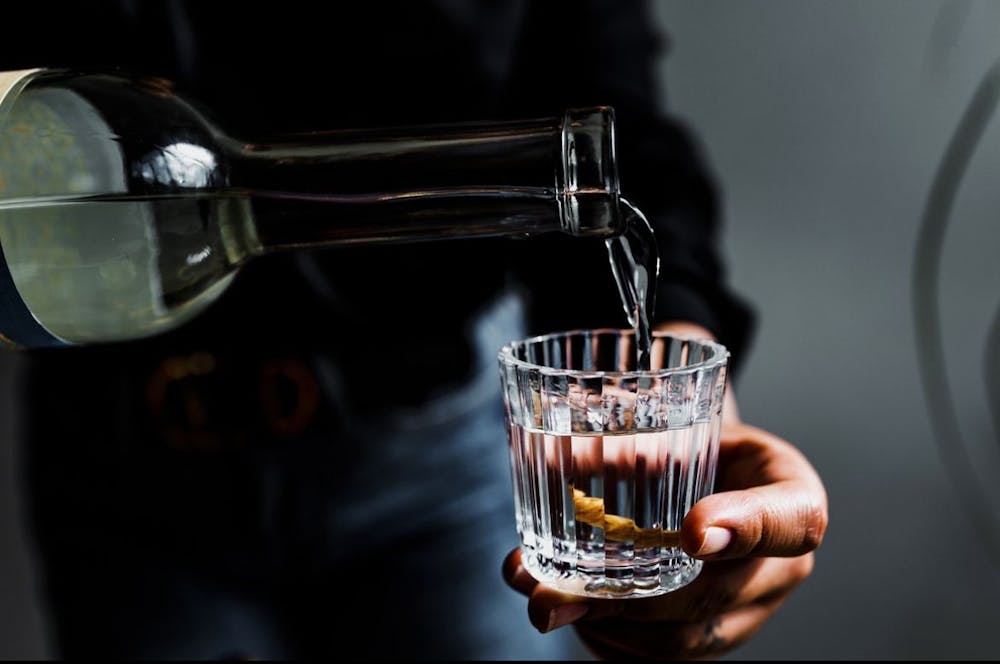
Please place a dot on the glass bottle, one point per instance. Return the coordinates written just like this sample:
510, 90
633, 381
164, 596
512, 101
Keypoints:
124, 211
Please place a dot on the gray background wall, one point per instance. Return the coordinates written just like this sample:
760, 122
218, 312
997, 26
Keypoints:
824, 122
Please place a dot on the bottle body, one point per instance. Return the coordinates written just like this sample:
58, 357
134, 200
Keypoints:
125, 212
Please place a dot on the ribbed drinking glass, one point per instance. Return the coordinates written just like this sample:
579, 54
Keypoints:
607, 460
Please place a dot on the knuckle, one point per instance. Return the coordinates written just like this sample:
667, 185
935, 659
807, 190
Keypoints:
753, 532
765, 532
815, 522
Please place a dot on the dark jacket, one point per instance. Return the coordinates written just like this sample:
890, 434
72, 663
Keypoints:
112, 431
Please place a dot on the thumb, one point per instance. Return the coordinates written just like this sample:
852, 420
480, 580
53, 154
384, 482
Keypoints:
787, 518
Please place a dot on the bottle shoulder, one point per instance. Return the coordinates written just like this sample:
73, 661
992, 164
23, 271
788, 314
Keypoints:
80, 134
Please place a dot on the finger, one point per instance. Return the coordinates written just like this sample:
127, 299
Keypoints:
719, 588
785, 515
548, 609
612, 639
516, 576
777, 520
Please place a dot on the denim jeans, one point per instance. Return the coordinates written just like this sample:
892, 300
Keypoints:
383, 540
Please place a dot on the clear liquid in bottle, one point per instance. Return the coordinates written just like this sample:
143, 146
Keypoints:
90, 259
104, 269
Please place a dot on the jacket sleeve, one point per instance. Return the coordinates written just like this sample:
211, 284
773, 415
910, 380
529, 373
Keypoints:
607, 53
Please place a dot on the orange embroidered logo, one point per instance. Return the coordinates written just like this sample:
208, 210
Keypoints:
201, 403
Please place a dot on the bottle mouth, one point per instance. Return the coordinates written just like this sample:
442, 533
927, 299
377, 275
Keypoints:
588, 180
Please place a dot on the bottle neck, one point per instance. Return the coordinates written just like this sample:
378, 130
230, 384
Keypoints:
436, 182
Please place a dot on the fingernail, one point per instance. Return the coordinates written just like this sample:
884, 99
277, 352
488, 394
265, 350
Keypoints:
716, 540
565, 614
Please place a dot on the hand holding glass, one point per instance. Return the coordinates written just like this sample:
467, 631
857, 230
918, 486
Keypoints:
607, 460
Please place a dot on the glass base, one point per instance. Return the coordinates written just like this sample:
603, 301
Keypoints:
674, 570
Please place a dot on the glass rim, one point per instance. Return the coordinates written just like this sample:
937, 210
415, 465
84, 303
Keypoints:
719, 358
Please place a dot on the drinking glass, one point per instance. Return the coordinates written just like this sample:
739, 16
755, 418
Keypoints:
606, 459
